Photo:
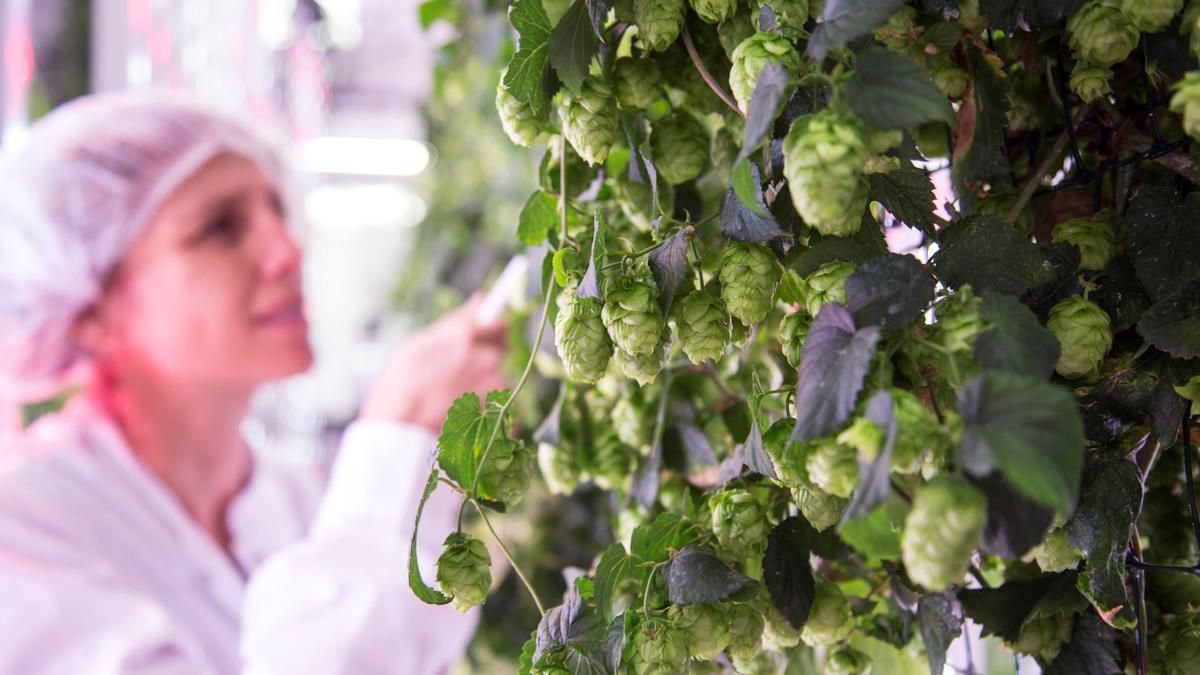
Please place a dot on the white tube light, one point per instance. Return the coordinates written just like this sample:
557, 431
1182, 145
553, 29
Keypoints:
366, 156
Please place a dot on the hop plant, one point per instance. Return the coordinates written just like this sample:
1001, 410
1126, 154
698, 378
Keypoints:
1186, 101
792, 331
778, 634
951, 79
941, 531
707, 628
581, 339
635, 199
1093, 236
680, 144
631, 312
846, 660
560, 468
1101, 34
739, 522
788, 458
864, 436
658, 22
745, 631
590, 120
657, 648
826, 284
1090, 82
714, 11
897, 31
1043, 637
637, 82
703, 326
821, 509
790, 16
749, 275
918, 432
823, 158
829, 621
632, 422
646, 367
507, 470
1150, 16
958, 320
833, 467
520, 121
1056, 553
464, 570
1084, 332
751, 56
735, 30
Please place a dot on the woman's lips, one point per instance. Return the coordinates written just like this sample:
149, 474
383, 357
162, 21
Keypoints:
288, 316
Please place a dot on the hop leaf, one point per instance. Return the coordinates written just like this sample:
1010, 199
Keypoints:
1186, 100
637, 82
739, 522
898, 31
703, 326
631, 313
590, 120
826, 284
942, 530
833, 467
1150, 16
520, 121
581, 339
749, 275
1093, 236
1090, 82
1101, 33
658, 22
1084, 332
680, 143
823, 159
829, 622
792, 331
751, 56
507, 470
464, 570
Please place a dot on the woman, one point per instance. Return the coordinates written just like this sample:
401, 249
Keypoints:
144, 246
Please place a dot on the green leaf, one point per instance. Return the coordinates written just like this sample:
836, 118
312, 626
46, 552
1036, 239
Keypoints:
990, 255
651, 540
1094, 647
1100, 528
1015, 523
941, 617
669, 263
744, 215
525, 662
747, 185
787, 570
829, 249
835, 361
769, 92
695, 578
876, 535
889, 291
423, 592
573, 43
907, 193
978, 156
614, 569
466, 433
564, 259
1029, 430
538, 218
1173, 323
844, 20
1164, 238
1002, 611
890, 91
1121, 294
1015, 342
573, 625
432, 10
526, 73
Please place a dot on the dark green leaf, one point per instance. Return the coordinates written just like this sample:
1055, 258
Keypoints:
696, 578
525, 662
787, 571
423, 592
598, 12
1050, 12
576, 626
907, 193
1029, 430
769, 92
1142, 392
978, 157
890, 91
941, 618
669, 263
889, 292
1061, 279
835, 361
1008, 15
466, 433
943, 34
1095, 648
1121, 294
876, 534
651, 540
1111, 500
538, 218
527, 69
589, 286
1002, 611
573, 43
1015, 342
754, 455
1173, 323
875, 482
843, 20
1063, 597
615, 568
990, 255
739, 221
1164, 238
829, 249
1015, 523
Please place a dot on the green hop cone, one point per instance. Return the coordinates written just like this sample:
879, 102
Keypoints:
918, 433
520, 122
1186, 101
714, 11
826, 284
958, 320
1085, 334
590, 120
790, 16
581, 339
745, 631
633, 421
739, 522
637, 82
631, 312
1043, 637
846, 660
1056, 554
506, 471
707, 628
703, 326
680, 144
560, 468
792, 331
464, 570
951, 79
658, 22
749, 275
611, 461
864, 436
1181, 645
1101, 34
762, 663
1093, 236
1150, 16
833, 467
941, 531
644, 368
823, 158
932, 139
829, 622
788, 458
657, 648
821, 509
749, 59
778, 634
1090, 82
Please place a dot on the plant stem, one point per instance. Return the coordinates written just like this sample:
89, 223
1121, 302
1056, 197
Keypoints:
516, 568
1049, 163
708, 79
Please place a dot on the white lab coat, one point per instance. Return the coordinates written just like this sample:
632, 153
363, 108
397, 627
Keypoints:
102, 571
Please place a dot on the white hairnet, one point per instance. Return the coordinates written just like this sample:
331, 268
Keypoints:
74, 197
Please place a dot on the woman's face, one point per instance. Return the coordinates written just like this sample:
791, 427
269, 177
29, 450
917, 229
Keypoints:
211, 293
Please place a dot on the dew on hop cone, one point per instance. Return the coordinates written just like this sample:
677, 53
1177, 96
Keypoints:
1186, 102
1150, 16
793, 328
658, 22
745, 631
714, 11
464, 570
581, 338
703, 325
1085, 335
829, 621
519, 120
749, 275
823, 158
833, 467
680, 143
790, 16
1090, 82
560, 468
506, 471
1044, 636
1093, 236
821, 509
826, 284
631, 312
749, 59
1056, 554
941, 531
739, 522
1101, 33
590, 119
846, 660
637, 82
707, 627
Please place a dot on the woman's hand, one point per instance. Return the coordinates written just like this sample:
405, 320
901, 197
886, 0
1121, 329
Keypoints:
435, 366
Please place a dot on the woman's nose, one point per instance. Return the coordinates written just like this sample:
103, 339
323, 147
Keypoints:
280, 255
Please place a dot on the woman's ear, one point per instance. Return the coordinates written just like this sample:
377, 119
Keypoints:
91, 332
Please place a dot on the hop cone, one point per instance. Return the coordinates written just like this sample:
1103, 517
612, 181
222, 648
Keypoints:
1093, 236
790, 16
762, 663
707, 628
637, 82
680, 144
864, 436
958, 320
1056, 554
823, 158
749, 59
942, 530
739, 522
1186, 101
631, 313
714, 11
644, 368
833, 467
590, 120
951, 79
1043, 637
560, 468
829, 621
792, 331
611, 461
703, 326
464, 570
826, 284
1101, 34
1090, 82
846, 660
1084, 333
520, 122
745, 631
1150, 16
633, 423
735, 30
749, 274
658, 22
581, 339
778, 634
788, 458
918, 432
821, 509
657, 648
506, 471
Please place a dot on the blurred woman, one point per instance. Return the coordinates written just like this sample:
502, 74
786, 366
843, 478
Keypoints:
145, 252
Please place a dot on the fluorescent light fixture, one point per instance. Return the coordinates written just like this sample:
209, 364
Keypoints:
364, 205
366, 156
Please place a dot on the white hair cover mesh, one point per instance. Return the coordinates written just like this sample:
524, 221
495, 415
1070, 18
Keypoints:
74, 197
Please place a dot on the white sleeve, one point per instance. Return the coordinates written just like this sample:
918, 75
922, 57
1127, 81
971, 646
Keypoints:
338, 601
